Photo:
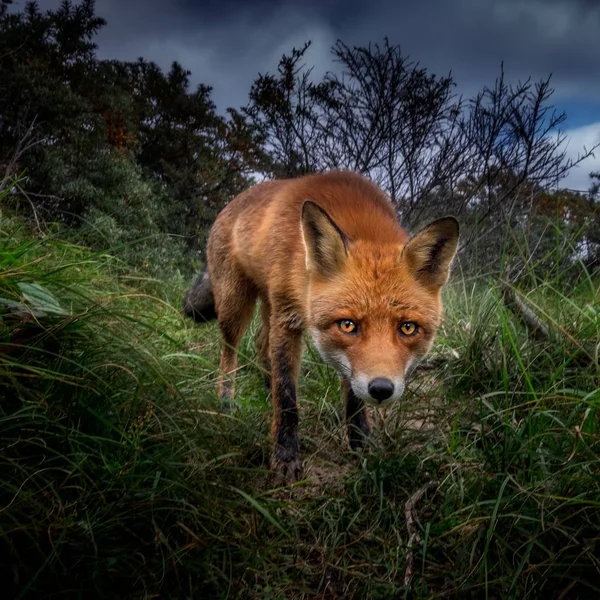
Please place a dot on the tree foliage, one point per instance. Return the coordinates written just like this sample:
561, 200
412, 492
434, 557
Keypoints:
119, 146
132, 151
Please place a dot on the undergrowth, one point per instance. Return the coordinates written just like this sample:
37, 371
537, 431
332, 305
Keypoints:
121, 477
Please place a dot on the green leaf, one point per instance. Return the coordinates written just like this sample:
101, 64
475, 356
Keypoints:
41, 299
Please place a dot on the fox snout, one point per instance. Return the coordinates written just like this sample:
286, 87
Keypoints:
378, 391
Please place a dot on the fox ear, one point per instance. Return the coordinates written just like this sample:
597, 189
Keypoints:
325, 242
430, 252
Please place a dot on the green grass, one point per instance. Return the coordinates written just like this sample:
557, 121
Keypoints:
121, 478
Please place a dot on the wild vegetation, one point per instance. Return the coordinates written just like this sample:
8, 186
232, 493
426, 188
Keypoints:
120, 474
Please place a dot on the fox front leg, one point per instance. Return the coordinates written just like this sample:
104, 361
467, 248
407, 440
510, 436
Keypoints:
285, 350
356, 417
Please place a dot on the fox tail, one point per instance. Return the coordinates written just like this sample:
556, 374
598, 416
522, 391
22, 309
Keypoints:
199, 301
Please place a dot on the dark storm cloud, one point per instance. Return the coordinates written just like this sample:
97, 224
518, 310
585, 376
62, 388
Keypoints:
225, 43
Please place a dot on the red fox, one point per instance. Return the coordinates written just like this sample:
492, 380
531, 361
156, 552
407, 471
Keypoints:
324, 253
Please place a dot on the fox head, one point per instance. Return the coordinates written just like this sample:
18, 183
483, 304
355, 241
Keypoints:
374, 307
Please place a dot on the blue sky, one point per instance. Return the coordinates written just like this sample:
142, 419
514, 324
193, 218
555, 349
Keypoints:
225, 43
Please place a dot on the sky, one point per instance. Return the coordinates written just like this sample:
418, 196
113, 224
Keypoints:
226, 43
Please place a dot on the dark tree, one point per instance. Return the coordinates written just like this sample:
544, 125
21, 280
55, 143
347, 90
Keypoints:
284, 108
120, 147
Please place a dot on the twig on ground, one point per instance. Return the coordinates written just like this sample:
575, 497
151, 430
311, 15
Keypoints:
413, 534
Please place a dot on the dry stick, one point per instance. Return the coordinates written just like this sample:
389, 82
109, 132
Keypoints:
566, 591
413, 534
536, 327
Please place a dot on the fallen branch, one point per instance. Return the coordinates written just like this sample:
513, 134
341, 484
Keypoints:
536, 327
413, 534
582, 354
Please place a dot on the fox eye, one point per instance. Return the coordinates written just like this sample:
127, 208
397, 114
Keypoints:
408, 328
347, 326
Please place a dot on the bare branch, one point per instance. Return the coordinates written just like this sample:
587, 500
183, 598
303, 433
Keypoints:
25, 142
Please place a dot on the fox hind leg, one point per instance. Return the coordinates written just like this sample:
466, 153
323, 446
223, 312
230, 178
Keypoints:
262, 342
235, 301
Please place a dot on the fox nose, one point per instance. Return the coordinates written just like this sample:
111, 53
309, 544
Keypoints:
381, 388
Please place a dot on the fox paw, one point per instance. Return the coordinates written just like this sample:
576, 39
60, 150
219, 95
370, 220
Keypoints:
358, 437
286, 466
